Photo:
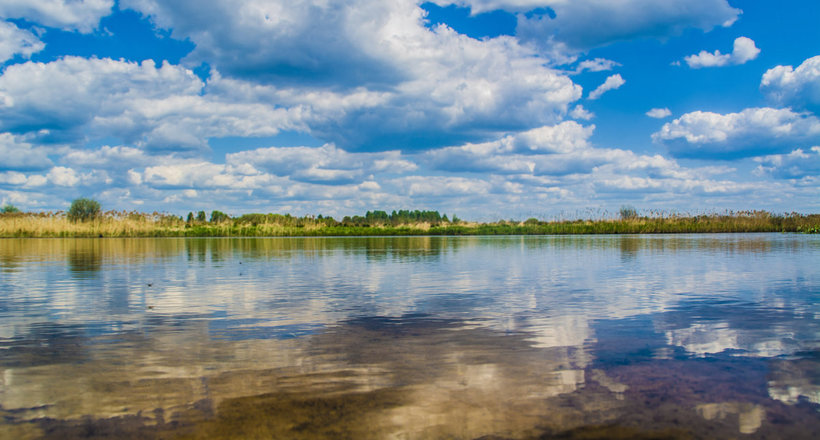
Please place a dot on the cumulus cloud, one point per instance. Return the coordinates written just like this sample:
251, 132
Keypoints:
306, 174
419, 186
545, 151
195, 174
752, 132
579, 112
82, 15
531, 167
581, 25
564, 28
16, 41
428, 87
13, 178
326, 164
21, 156
306, 41
62, 176
798, 164
559, 163
471, 90
56, 178
612, 82
74, 99
744, 50
659, 113
61, 99
246, 188
595, 65
799, 88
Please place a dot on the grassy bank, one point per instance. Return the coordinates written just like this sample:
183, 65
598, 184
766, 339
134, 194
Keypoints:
133, 224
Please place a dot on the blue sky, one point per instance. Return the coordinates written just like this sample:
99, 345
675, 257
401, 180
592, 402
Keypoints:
484, 108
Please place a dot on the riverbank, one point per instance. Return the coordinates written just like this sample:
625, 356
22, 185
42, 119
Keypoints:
119, 224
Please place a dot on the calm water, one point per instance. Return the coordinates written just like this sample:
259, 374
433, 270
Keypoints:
690, 336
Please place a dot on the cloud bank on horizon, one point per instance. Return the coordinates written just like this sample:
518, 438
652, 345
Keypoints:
485, 108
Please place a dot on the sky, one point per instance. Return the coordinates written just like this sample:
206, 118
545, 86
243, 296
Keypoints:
487, 109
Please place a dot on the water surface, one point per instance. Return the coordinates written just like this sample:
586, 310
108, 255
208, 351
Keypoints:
680, 336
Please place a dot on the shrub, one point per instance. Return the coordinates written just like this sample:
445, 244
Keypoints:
628, 212
8, 208
83, 209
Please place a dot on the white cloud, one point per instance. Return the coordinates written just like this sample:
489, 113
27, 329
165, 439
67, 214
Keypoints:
563, 138
426, 87
326, 164
80, 15
13, 178
595, 65
502, 178
74, 99
16, 41
419, 186
744, 51
17, 155
62, 176
752, 132
706, 59
19, 199
56, 179
306, 41
579, 112
659, 113
513, 153
278, 172
799, 87
569, 27
203, 175
469, 90
119, 157
612, 82
558, 150
67, 97
583, 24
795, 165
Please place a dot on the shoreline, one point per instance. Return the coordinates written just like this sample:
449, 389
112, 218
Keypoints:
107, 226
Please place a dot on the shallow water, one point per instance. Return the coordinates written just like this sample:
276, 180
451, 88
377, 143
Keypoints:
679, 336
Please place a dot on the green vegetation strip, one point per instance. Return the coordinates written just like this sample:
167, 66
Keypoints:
93, 223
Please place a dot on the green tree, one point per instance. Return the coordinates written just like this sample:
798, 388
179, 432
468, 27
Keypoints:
190, 219
219, 217
8, 208
83, 209
378, 217
200, 217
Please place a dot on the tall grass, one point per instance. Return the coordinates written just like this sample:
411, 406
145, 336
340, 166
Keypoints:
135, 224
109, 224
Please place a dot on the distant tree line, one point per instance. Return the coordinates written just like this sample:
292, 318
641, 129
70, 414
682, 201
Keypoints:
402, 222
401, 217
371, 218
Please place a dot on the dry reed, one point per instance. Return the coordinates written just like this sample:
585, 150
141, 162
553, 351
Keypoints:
135, 224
